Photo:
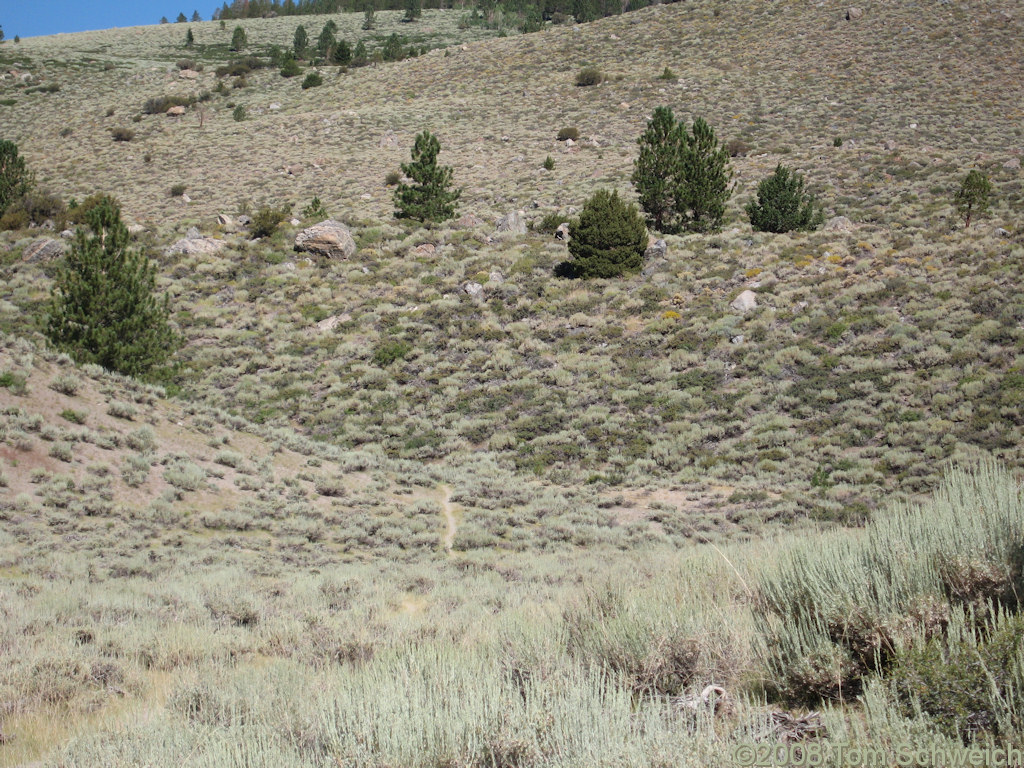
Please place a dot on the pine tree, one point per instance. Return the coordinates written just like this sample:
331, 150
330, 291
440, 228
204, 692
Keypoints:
782, 204
326, 42
359, 55
300, 42
196, 16
657, 171
413, 10
430, 198
608, 239
190, 39
705, 180
238, 39
103, 309
342, 53
15, 179
181, 18
368, 20
973, 196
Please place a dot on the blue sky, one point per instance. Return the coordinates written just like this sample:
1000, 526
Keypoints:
47, 17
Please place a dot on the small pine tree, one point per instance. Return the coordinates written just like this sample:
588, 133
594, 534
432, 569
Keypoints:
190, 39
15, 179
289, 66
196, 16
973, 196
342, 53
705, 177
392, 48
103, 309
413, 10
430, 198
782, 204
608, 239
657, 171
359, 55
300, 42
368, 20
181, 18
238, 39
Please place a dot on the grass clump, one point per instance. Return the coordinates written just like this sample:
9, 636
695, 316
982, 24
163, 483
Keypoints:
569, 132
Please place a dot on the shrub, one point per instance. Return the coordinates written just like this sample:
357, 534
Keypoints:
34, 208
570, 132
973, 196
608, 239
238, 113
589, 76
549, 164
668, 75
122, 134
266, 220
392, 178
177, 190
238, 39
429, 197
102, 308
392, 49
359, 55
78, 213
15, 180
160, 104
185, 64
342, 53
312, 80
390, 351
782, 205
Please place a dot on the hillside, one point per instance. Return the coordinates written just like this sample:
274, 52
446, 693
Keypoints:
439, 464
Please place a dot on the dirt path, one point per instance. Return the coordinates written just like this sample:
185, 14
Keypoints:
448, 511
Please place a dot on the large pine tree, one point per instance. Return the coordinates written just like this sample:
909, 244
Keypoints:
430, 198
705, 180
103, 308
656, 172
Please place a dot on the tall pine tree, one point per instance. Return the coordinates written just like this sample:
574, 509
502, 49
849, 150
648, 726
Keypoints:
430, 198
656, 172
103, 309
705, 180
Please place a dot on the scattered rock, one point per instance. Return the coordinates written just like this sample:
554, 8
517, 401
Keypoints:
389, 140
135, 229
195, 246
853, 13
192, 233
293, 170
513, 223
1013, 164
738, 339
332, 322
44, 249
244, 220
473, 289
469, 221
624, 105
562, 232
890, 145
569, 143
496, 277
186, 199
745, 302
274, 107
67, 234
294, 222
188, 74
656, 250
423, 249
328, 238
1000, 232
225, 222
838, 224
176, 111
